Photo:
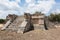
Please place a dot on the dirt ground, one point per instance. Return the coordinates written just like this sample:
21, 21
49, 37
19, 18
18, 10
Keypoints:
52, 34
1, 25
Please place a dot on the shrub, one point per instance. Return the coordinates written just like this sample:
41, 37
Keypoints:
54, 17
2, 20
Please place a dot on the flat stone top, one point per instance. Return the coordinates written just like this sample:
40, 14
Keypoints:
37, 16
23, 24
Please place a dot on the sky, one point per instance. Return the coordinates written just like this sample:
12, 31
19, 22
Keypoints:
18, 7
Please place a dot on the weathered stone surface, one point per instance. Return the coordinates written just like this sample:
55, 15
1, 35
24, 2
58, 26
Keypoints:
6, 25
25, 25
14, 25
38, 21
20, 25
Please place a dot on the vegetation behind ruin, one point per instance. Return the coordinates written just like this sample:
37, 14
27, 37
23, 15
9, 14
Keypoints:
2, 20
54, 17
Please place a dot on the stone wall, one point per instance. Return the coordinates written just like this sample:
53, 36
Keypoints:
37, 19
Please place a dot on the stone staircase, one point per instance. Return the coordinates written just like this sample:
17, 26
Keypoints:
22, 27
6, 25
14, 25
18, 25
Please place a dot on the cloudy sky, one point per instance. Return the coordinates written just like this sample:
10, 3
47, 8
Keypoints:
20, 6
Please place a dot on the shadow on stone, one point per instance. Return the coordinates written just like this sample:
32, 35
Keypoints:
30, 29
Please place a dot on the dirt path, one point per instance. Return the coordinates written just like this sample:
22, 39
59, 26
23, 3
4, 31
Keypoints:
1, 25
52, 34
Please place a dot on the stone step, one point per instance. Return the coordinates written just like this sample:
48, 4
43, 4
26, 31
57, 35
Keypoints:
14, 25
24, 27
6, 25
39, 27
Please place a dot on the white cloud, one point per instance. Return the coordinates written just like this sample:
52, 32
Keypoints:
7, 7
28, 1
56, 8
43, 6
9, 4
5, 13
56, 11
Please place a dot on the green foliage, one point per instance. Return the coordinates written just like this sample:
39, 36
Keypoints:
2, 20
54, 17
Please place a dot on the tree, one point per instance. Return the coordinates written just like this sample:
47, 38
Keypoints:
54, 17
2, 20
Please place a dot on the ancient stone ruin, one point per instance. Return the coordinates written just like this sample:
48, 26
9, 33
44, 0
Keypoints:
10, 18
38, 20
21, 24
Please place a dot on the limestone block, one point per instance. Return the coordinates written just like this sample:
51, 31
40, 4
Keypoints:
6, 25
